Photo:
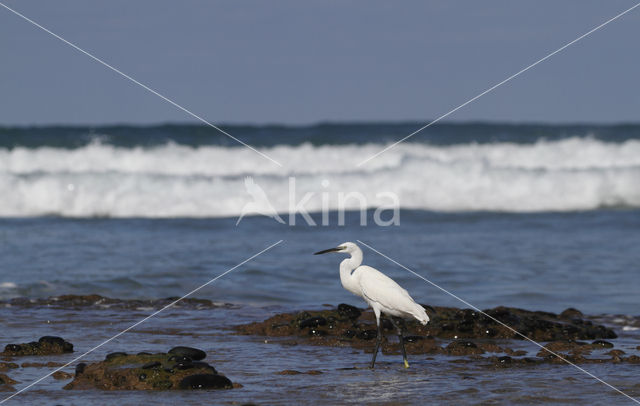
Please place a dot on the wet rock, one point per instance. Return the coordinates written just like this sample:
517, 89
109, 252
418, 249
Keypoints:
348, 333
61, 375
571, 313
12, 348
491, 347
316, 332
5, 366
5, 380
148, 372
348, 325
193, 353
514, 353
101, 302
179, 358
634, 359
386, 324
205, 381
367, 334
47, 345
463, 348
576, 347
313, 322
183, 365
115, 355
602, 343
348, 311
289, 372
204, 365
80, 368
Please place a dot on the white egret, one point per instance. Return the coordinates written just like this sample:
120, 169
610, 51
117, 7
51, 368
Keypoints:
382, 293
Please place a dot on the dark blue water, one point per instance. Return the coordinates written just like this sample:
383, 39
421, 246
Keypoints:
319, 134
546, 261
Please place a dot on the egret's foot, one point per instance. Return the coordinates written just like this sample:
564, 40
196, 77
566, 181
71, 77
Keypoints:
406, 363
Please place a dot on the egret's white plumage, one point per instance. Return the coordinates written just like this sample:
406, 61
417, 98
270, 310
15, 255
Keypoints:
382, 293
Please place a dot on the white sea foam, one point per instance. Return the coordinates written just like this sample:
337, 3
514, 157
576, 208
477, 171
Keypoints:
208, 181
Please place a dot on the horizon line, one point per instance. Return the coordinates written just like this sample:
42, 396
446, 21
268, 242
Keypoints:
321, 123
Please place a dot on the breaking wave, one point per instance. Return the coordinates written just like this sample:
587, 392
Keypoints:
172, 180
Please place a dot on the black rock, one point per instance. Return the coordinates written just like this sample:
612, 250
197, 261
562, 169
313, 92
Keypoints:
152, 364
348, 333
52, 340
348, 311
367, 334
313, 322
114, 355
571, 313
193, 353
602, 343
462, 344
200, 364
386, 324
317, 332
80, 368
206, 381
12, 348
183, 365
179, 358
505, 360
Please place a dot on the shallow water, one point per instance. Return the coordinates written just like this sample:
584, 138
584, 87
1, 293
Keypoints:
255, 363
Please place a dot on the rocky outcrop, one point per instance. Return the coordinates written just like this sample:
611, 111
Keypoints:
47, 345
144, 371
451, 331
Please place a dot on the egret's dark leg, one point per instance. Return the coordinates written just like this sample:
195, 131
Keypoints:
401, 338
378, 342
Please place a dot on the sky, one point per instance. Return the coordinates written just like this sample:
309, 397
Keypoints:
296, 62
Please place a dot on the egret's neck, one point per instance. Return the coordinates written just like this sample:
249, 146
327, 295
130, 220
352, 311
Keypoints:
346, 268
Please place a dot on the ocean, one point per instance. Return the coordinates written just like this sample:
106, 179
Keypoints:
542, 217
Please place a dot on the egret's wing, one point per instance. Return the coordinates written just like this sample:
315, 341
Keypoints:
378, 287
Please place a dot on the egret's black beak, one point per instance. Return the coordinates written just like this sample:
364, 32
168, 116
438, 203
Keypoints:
329, 250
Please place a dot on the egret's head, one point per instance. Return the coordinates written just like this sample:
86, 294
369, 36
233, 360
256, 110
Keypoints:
346, 247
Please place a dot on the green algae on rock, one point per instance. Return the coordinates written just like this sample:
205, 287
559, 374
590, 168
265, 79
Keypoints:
451, 331
6, 383
160, 371
446, 323
47, 345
